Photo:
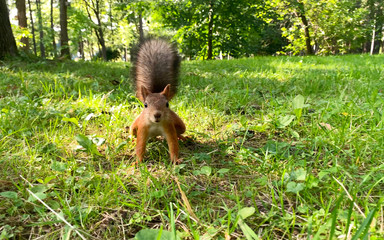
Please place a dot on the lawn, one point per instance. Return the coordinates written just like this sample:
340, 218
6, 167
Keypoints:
277, 148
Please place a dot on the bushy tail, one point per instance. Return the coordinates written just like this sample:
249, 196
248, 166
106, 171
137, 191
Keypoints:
156, 63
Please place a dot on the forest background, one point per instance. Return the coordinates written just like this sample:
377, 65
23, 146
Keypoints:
107, 29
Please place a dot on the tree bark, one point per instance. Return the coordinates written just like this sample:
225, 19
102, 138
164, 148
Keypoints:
111, 21
22, 18
40, 23
307, 35
141, 30
53, 32
7, 40
380, 28
81, 46
91, 54
95, 7
33, 27
82, 49
65, 53
373, 36
101, 38
210, 31
382, 41
300, 12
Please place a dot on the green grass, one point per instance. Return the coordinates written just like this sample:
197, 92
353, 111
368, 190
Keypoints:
279, 148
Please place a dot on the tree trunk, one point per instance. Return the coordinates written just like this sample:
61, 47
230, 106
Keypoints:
366, 47
210, 31
101, 39
22, 18
65, 53
141, 31
111, 21
40, 21
382, 41
335, 46
53, 32
7, 40
307, 35
99, 31
300, 12
373, 34
91, 54
373, 38
33, 27
380, 28
81, 46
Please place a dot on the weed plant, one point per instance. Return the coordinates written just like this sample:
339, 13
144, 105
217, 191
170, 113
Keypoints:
277, 148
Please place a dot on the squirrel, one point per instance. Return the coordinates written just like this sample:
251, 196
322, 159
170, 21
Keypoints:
155, 72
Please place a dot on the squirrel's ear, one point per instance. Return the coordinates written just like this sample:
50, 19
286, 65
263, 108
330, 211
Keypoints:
144, 93
167, 92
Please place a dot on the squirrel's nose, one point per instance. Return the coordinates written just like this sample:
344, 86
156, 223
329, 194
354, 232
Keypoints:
157, 115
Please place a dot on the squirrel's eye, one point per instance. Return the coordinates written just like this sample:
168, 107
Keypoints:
167, 104
145, 105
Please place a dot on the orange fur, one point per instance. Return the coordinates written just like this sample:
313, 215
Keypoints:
156, 78
169, 125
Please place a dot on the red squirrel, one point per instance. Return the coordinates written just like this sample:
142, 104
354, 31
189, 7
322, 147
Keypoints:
155, 72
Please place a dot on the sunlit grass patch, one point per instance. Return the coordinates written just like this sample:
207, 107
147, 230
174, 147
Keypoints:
289, 147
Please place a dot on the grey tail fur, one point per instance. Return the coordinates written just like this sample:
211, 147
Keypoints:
156, 63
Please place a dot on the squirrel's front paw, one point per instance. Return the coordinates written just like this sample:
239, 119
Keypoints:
181, 137
177, 161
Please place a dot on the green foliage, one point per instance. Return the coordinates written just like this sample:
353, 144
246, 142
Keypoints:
88, 144
242, 215
79, 27
338, 26
154, 234
241, 28
19, 33
111, 54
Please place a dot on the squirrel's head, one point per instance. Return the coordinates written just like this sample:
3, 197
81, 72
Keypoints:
156, 106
